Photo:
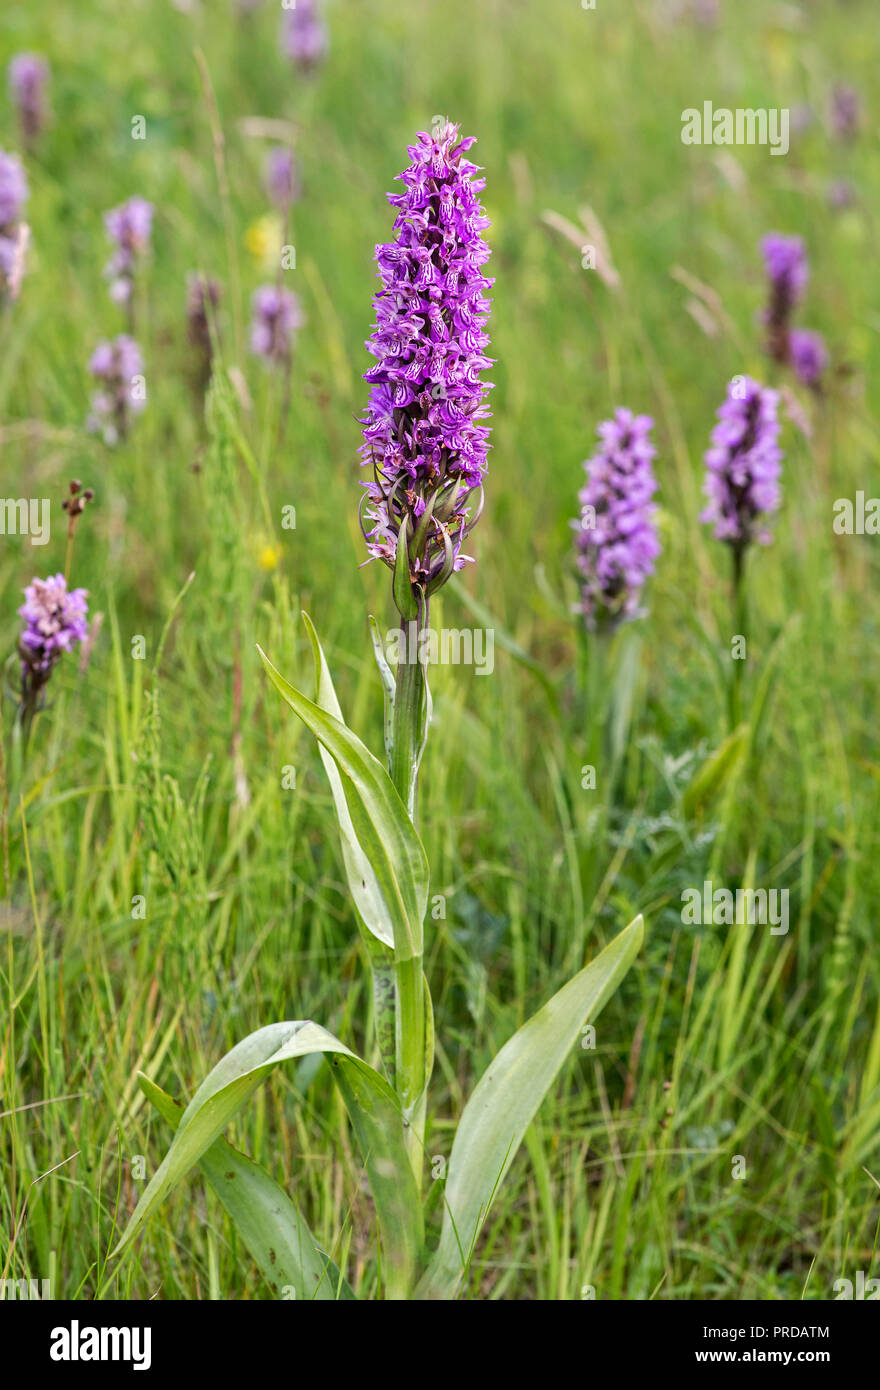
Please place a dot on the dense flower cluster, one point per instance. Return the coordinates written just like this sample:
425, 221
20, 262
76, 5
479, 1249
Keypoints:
129, 227
118, 366
28, 75
616, 536
55, 619
13, 230
423, 430
275, 317
742, 465
304, 35
281, 177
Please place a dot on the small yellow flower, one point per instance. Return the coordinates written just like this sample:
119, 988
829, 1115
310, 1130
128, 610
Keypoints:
263, 240
268, 557
777, 45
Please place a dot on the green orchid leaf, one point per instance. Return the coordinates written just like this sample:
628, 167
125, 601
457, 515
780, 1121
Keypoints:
374, 1110
362, 882
389, 685
281, 1244
505, 1102
379, 823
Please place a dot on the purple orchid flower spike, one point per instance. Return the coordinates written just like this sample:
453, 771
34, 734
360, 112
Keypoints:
845, 111
55, 619
785, 261
276, 317
743, 465
742, 486
14, 232
808, 354
304, 35
424, 431
616, 541
281, 177
119, 369
129, 228
28, 76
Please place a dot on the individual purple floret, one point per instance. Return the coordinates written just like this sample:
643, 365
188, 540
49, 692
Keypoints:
742, 465
615, 536
13, 230
304, 35
276, 316
55, 619
785, 261
129, 227
119, 368
808, 355
282, 177
28, 76
423, 431
845, 111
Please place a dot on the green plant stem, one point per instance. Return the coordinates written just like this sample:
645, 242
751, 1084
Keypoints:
593, 710
408, 719
739, 619
597, 645
407, 736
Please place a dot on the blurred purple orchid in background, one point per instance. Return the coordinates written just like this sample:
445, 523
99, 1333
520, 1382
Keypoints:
276, 316
616, 540
787, 268
808, 354
14, 232
129, 227
118, 367
304, 34
55, 620
742, 465
785, 261
845, 111
281, 177
28, 76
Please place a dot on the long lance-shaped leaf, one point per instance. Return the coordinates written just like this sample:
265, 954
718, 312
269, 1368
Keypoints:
378, 816
375, 1114
377, 928
389, 685
505, 1102
358, 869
279, 1240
